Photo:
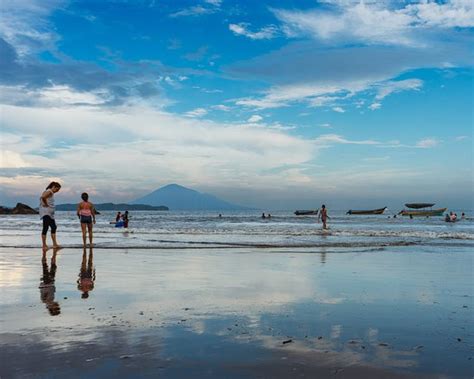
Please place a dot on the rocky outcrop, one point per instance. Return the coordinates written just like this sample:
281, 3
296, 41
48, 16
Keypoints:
20, 209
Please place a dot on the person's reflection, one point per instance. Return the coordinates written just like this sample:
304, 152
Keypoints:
47, 285
323, 257
85, 282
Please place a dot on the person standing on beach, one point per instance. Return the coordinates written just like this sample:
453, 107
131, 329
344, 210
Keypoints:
46, 212
323, 216
86, 214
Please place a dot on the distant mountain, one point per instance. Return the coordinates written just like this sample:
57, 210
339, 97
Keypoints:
181, 198
115, 207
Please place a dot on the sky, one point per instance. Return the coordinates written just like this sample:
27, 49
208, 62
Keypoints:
278, 104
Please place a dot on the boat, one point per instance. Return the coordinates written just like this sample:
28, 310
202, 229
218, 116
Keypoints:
306, 212
423, 213
419, 205
378, 211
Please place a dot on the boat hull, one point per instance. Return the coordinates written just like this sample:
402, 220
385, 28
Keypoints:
306, 212
427, 213
378, 211
419, 205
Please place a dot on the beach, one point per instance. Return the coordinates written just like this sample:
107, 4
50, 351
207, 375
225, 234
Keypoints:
218, 301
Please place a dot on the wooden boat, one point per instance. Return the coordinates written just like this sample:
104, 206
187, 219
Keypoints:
378, 211
306, 212
423, 213
419, 205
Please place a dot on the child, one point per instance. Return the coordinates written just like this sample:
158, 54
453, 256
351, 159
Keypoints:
86, 214
46, 211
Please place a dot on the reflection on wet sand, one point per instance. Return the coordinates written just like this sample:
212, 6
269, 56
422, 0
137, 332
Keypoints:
246, 314
47, 285
85, 282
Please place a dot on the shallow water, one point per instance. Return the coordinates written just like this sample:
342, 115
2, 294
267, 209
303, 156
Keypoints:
226, 313
206, 229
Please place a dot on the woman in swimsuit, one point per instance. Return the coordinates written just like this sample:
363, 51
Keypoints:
86, 214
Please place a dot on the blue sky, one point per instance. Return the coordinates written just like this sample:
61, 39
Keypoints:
277, 105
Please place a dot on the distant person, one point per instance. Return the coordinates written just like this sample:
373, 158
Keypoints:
447, 218
86, 214
46, 212
411, 217
220, 216
47, 285
125, 219
269, 215
463, 216
85, 282
323, 216
453, 216
263, 215
118, 217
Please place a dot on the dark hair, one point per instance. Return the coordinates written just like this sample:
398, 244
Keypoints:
85, 196
323, 206
53, 184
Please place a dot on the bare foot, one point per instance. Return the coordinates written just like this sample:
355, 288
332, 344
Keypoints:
57, 247
45, 248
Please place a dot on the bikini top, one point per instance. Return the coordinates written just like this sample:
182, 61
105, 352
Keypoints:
84, 210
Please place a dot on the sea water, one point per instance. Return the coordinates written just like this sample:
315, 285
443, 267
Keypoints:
205, 229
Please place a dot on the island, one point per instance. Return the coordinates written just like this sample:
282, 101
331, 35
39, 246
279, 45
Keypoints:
115, 207
19, 209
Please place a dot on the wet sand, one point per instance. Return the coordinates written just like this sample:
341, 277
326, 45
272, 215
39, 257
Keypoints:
402, 312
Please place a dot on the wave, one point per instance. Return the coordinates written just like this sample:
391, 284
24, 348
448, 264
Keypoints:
173, 244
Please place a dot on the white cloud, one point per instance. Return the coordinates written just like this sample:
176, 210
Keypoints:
427, 143
12, 159
378, 21
212, 6
24, 24
267, 32
371, 23
141, 144
255, 118
338, 109
375, 106
449, 14
326, 140
198, 112
326, 125
221, 107
389, 87
461, 138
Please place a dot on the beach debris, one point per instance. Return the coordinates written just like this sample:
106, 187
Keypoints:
459, 339
187, 309
320, 337
125, 356
383, 344
287, 341
141, 313
65, 297
353, 342
465, 306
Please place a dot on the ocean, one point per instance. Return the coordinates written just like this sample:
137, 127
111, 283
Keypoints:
204, 229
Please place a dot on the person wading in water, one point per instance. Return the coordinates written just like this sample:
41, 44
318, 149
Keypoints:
323, 216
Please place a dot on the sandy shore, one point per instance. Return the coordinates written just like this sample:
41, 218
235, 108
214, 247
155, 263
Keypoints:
236, 313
